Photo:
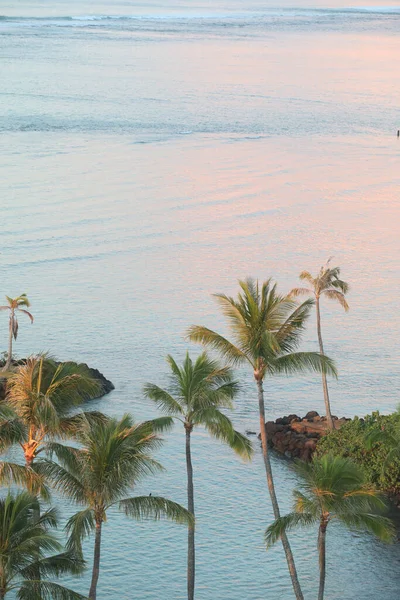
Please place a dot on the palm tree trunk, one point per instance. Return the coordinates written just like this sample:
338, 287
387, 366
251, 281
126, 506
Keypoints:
324, 381
10, 339
29, 459
96, 561
271, 488
190, 495
321, 552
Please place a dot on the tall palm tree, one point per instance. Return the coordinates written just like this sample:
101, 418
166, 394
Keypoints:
42, 394
266, 328
197, 393
328, 284
14, 306
114, 455
333, 488
27, 547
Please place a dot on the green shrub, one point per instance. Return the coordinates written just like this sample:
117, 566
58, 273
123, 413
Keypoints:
350, 441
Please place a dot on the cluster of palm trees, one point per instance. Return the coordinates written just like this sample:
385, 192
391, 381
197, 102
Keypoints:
108, 456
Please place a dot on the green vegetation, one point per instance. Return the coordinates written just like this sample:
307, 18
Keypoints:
42, 394
197, 393
333, 488
373, 443
14, 306
266, 329
27, 547
113, 456
95, 461
326, 284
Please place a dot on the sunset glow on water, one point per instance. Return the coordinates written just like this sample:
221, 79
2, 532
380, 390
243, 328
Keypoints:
153, 159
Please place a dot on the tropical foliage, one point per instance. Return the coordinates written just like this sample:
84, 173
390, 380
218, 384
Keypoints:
329, 285
333, 488
30, 552
42, 393
113, 456
14, 306
195, 396
108, 456
266, 330
373, 443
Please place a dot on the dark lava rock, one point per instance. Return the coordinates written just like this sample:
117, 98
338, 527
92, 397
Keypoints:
311, 414
106, 384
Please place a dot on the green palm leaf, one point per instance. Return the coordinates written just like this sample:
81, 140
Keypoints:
46, 590
303, 362
155, 507
78, 527
284, 524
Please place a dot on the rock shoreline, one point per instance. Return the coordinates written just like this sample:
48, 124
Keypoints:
297, 437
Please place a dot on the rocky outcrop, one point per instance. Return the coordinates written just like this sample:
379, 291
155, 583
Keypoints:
106, 385
297, 437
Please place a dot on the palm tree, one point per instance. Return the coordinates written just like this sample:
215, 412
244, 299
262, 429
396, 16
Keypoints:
266, 329
113, 457
14, 306
328, 284
197, 393
27, 547
334, 488
42, 393
12, 432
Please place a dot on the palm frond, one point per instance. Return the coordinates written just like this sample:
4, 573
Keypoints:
162, 399
306, 276
217, 342
70, 426
290, 331
12, 430
63, 481
46, 590
380, 526
65, 563
303, 362
338, 297
15, 474
155, 507
27, 313
286, 523
300, 291
78, 527
220, 427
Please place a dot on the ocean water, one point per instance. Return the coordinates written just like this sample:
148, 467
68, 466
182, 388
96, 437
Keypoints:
154, 153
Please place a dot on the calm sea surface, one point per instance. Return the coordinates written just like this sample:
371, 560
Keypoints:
152, 154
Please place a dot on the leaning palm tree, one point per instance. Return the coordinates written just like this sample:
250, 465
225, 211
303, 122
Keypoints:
42, 394
114, 455
333, 489
197, 393
14, 306
328, 284
27, 547
266, 330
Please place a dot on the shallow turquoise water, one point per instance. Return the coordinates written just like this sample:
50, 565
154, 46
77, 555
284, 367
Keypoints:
149, 162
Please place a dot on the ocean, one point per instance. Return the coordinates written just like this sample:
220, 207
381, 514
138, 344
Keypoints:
152, 155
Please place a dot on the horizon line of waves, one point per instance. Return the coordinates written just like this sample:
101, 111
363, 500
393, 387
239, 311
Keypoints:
231, 17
